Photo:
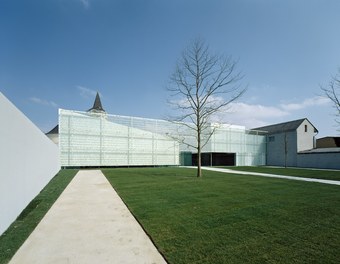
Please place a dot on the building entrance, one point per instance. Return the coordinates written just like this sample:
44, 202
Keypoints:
215, 159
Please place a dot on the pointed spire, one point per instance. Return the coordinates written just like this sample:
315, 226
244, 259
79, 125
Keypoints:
97, 105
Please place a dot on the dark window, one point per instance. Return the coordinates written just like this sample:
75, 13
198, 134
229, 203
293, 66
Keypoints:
271, 139
305, 128
215, 159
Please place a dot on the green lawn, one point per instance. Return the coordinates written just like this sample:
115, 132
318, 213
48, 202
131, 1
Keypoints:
224, 218
17, 233
307, 173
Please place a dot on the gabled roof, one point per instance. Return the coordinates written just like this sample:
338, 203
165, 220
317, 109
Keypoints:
328, 141
337, 141
284, 127
54, 130
97, 105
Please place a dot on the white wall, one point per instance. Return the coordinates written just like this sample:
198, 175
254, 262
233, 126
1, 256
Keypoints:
54, 138
305, 139
28, 161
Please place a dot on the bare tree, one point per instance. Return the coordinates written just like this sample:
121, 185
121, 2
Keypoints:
202, 85
333, 93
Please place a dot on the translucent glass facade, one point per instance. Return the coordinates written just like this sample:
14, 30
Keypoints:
249, 146
99, 139
89, 139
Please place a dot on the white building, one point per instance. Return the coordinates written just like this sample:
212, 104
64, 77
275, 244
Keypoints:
293, 144
99, 139
95, 138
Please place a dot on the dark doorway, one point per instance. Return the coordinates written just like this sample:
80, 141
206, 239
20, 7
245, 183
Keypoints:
215, 159
223, 159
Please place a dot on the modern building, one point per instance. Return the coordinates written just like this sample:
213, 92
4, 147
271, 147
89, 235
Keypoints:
97, 107
96, 139
91, 139
286, 140
232, 145
293, 144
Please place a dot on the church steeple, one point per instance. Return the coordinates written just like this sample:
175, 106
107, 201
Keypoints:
97, 105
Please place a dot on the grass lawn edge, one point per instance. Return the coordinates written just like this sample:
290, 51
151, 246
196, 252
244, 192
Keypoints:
17, 233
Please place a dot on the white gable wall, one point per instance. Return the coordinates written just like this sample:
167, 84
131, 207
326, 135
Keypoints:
305, 139
28, 161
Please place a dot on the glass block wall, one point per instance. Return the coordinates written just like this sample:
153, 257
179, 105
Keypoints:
248, 145
90, 139
99, 139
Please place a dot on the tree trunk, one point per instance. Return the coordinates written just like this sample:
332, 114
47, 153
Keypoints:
199, 170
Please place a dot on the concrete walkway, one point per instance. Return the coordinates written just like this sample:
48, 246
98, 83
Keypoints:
271, 175
88, 223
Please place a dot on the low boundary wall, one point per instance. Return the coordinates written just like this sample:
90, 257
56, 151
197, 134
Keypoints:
325, 160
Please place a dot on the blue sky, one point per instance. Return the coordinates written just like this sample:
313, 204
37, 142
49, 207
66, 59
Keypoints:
58, 53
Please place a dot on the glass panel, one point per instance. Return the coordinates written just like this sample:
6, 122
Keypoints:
88, 139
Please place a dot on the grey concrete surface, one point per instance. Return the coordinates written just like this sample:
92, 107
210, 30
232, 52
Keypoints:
88, 223
271, 175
